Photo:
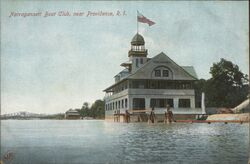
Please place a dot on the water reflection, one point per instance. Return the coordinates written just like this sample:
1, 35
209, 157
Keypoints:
50, 141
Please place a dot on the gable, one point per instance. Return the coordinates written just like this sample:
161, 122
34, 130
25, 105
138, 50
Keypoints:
163, 61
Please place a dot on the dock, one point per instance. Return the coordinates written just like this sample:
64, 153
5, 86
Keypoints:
147, 115
212, 121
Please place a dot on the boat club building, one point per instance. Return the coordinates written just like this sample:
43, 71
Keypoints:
151, 82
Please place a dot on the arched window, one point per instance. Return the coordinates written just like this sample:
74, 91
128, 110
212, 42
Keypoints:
165, 73
157, 73
162, 72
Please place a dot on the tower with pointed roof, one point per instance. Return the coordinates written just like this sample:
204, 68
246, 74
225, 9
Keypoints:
147, 83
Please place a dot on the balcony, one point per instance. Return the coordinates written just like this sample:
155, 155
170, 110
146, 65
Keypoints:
117, 95
138, 53
174, 110
162, 91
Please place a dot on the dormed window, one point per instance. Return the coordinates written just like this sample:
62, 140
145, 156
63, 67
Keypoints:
162, 72
157, 73
165, 73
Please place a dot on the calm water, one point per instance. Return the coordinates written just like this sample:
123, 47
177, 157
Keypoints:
63, 141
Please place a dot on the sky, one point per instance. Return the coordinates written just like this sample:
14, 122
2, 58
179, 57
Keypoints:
51, 64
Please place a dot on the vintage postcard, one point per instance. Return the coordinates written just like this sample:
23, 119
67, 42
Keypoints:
135, 82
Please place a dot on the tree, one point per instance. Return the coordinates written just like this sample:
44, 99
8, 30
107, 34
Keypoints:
85, 111
97, 109
228, 85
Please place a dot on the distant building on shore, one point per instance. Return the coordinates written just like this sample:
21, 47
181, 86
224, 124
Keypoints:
151, 82
72, 114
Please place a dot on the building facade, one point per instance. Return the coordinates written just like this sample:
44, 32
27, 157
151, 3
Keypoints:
72, 114
151, 82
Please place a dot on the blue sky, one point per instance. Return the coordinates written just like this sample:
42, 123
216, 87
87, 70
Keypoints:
51, 64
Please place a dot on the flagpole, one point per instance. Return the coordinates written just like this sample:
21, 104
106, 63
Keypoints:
137, 21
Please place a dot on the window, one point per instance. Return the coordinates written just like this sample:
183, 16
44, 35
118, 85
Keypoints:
125, 86
141, 60
141, 85
138, 84
138, 103
153, 84
170, 85
162, 84
158, 103
184, 103
165, 73
162, 71
170, 102
126, 103
157, 73
136, 62
161, 103
122, 103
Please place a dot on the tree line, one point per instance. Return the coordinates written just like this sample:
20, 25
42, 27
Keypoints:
227, 87
96, 110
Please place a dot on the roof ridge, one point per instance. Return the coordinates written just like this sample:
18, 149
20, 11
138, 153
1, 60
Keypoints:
180, 66
144, 65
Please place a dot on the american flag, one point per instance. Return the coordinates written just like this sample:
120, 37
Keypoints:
143, 19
